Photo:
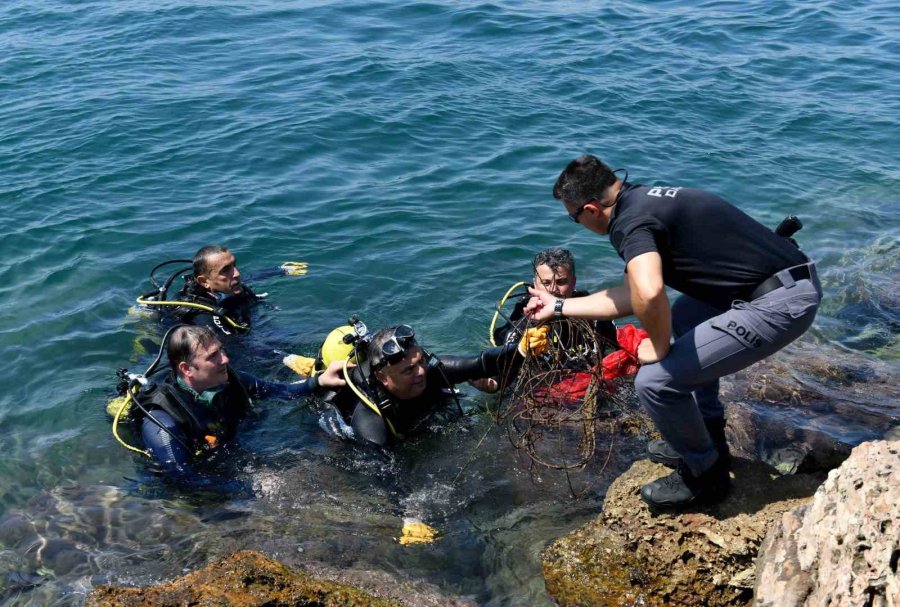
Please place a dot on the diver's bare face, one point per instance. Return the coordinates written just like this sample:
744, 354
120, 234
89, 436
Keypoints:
559, 282
208, 368
223, 275
405, 379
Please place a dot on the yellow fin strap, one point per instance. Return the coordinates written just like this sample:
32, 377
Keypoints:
417, 532
295, 268
301, 365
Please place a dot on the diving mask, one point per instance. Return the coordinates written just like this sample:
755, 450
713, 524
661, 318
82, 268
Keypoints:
395, 348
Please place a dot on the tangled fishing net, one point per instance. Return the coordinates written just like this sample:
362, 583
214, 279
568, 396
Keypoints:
559, 401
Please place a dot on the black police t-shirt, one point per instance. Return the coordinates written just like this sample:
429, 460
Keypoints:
710, 249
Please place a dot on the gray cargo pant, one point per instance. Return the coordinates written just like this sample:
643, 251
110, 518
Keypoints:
682, 390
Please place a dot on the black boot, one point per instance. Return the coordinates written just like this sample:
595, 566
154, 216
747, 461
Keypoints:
661, 452
682, 489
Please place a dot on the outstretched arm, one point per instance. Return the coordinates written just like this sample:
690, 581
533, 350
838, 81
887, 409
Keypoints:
603, 305
490, 363
261, 389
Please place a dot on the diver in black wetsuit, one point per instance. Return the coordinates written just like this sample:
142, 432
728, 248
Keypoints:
196, 407
398, 387
554, 272
213, 293
216, 283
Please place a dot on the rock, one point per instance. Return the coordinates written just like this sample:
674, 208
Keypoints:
628, 556
805, 408
843, 547
417, 593
756, 433
244, 579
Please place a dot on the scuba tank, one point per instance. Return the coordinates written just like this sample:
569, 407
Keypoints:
158, 298
129, 398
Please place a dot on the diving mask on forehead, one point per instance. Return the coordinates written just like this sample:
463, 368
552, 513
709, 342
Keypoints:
395, 348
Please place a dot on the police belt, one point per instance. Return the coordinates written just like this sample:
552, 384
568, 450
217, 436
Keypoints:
798, 273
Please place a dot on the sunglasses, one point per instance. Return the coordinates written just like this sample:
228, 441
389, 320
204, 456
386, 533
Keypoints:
396, 347
574, 215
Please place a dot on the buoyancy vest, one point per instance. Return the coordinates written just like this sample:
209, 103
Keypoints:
236, 307
201, 424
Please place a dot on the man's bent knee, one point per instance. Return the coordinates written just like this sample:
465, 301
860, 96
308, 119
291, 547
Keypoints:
652, 379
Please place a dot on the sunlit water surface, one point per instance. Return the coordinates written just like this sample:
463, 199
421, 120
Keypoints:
406, 150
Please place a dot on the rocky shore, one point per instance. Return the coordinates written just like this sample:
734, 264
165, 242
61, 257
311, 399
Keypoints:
775, 541
628, 556
251, 579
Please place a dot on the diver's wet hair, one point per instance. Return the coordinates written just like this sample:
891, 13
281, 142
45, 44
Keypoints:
375, 350
584, 179
185, 341
554, 258
201, 258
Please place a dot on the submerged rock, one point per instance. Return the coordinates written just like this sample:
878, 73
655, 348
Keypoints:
806, 407
628, 556
244, 579
842, 548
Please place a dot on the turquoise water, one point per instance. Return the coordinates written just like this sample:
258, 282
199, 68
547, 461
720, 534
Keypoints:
406, 150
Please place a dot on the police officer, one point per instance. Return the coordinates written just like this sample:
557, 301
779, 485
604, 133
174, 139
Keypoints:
746, 293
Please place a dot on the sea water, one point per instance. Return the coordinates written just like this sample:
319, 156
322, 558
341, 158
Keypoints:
406, 150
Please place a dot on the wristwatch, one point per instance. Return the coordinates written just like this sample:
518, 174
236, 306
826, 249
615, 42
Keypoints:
557, 308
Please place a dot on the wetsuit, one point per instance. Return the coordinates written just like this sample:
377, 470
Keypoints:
236, 307
512, 331
747, 293
193, 423
395, 418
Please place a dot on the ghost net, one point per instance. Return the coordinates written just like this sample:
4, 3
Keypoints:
556, 404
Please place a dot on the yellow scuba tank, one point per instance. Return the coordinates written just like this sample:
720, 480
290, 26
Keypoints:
336, 347
120, 405
119, 408
333, 348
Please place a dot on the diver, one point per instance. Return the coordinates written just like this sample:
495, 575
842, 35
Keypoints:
212, 291
554, 272
194, 408
397, 387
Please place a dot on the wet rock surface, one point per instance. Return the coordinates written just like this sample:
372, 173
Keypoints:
250, 579
843, 547
805, 408
628, 556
